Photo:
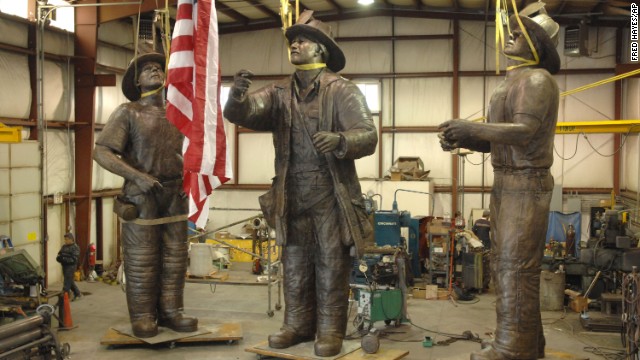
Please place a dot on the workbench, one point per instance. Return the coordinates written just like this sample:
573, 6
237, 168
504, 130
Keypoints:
239, 274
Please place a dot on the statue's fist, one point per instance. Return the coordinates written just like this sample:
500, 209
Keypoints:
456, 130
241, 83
446, 144
326, 141
147, 183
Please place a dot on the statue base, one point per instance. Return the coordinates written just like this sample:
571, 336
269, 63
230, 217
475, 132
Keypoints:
121, 334
351, 350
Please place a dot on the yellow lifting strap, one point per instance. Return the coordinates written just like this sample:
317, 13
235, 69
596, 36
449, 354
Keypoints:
601, 82
589, 86
500, 36
286, 14
165, 19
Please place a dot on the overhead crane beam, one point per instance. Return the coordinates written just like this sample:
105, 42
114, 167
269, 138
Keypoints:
593, 127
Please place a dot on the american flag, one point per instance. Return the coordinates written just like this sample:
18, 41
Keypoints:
193, 103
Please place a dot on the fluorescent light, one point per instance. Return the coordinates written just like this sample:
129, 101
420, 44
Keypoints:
365, 2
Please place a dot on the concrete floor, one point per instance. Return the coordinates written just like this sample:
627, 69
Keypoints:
104, 306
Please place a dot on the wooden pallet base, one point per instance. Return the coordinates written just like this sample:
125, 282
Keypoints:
229, 332
350, 351
549, 354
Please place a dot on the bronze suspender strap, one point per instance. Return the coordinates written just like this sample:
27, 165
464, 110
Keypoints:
159, 221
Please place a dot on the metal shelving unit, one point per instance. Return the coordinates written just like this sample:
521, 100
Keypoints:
439, 259
273, 266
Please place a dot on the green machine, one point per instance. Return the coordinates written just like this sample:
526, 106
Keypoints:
379, 305
376, 303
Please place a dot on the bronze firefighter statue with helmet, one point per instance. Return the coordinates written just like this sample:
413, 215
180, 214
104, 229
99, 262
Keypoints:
519, 134
141, 145
321, 124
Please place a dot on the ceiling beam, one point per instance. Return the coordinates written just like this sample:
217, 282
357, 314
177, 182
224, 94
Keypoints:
561, 7
408, 12
232, 13
336, 6
109, 13
260, 6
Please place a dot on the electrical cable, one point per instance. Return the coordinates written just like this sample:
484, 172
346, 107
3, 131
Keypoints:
622, 143
574, 152
562, 317
607, 353
484, 159
630, 310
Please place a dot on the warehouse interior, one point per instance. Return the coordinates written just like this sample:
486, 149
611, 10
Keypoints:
418, 63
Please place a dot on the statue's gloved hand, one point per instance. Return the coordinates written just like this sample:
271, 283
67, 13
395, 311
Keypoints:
326, 141
446, 145
241, 83
456, 130
147, 183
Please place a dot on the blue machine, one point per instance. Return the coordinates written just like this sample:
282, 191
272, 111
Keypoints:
387, 227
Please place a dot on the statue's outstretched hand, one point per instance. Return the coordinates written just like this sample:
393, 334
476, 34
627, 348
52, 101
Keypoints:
446, 144
241, 83
326, 141
147, 183
453, 132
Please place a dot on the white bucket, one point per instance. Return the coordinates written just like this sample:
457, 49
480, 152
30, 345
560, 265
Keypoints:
200, 259
552, 286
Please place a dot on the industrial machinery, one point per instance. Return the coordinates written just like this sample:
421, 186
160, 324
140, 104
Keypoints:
602, 266
388, 226
382, 295
21, 279
612, 248
32, 338
379, 305
379, 268
630, 320
470, 256
379, 279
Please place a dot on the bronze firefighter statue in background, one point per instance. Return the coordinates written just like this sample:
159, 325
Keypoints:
519, 133
320, 124
139, 144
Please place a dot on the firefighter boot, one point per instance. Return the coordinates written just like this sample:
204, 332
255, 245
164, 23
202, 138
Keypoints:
172, 316
142, 273
331, 329
174, 269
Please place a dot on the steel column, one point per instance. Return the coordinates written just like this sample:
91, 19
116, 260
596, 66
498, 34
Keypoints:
86, 45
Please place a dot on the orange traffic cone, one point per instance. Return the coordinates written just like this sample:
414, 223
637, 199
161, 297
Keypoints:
65, 313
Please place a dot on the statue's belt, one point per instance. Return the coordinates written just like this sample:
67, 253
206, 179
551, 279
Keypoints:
158, 221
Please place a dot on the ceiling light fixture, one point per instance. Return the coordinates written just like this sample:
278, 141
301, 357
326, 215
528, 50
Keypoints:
365, 2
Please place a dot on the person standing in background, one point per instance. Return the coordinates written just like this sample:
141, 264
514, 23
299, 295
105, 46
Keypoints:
482, 229
69, 257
